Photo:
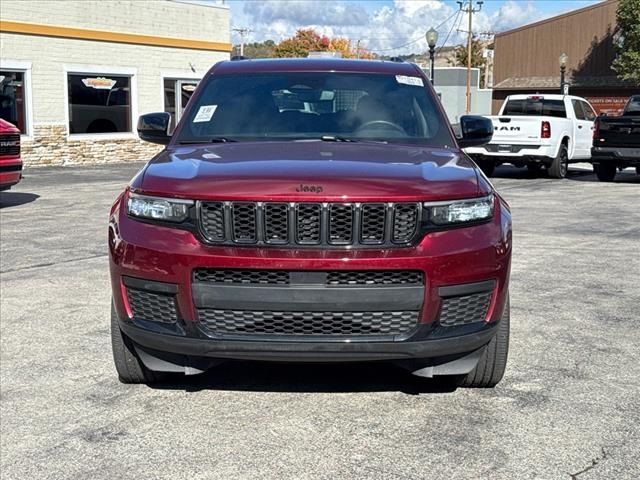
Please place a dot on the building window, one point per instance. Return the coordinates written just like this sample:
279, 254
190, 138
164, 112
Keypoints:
99, 103
177, 92
12, 99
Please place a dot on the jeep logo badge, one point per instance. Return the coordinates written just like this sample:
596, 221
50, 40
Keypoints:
302, 188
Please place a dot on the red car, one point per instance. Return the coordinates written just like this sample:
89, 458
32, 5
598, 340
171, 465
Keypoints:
10, 162
311, 210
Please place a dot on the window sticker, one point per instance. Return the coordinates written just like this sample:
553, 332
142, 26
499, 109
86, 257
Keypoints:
413, 81
205, 113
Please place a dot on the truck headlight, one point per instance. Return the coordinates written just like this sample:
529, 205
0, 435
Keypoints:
157, 208
459, 211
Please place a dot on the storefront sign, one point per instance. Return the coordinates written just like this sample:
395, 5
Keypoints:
100, 83
608, 105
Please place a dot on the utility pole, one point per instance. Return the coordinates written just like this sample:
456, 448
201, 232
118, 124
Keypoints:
470, 10
358, 48
243, 33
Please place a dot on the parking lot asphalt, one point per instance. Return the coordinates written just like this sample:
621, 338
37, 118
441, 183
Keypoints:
569, 406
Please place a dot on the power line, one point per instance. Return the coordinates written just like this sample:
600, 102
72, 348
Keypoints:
457, 21
244, 31
421, 37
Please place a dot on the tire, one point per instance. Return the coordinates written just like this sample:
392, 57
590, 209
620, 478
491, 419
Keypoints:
606, 172
493, 362
129, 367
560, 164
487, 166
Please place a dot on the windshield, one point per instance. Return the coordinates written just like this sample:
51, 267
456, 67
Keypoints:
319, 105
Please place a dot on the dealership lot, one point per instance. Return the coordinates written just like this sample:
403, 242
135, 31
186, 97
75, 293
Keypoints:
569, 406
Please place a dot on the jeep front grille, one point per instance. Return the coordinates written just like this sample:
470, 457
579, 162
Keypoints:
245, 322
309, 224
465, 309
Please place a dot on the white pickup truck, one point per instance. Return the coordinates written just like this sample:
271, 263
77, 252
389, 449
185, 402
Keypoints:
538, 131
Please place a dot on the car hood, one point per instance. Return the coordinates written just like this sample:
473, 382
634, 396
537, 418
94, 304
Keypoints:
310, 170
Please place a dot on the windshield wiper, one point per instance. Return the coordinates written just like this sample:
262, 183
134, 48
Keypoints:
334, 138
208, 140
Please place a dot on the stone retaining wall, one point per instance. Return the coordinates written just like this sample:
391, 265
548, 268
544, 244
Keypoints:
50, 146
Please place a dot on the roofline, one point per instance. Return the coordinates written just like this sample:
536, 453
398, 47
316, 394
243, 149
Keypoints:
553, 19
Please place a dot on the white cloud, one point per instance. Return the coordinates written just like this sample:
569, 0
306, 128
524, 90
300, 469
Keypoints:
380, 27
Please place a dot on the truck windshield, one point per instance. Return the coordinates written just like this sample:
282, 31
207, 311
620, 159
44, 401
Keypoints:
319, 105
535, 106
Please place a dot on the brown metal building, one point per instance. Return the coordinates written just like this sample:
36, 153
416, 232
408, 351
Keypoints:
527, 58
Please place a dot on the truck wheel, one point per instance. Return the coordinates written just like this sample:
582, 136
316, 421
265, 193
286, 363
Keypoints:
493, 362
129, 367
606, 172
560, 164
487, 166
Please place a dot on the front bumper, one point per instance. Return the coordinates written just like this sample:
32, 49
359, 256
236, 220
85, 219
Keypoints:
10, 173
449, 260
438, 345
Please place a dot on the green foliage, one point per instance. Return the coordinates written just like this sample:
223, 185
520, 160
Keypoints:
627, 65
259, 49
460, 57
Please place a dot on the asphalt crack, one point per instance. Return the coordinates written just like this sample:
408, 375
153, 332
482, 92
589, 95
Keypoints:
594, 463
50, 264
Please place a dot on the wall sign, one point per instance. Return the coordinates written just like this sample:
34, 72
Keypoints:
99, 83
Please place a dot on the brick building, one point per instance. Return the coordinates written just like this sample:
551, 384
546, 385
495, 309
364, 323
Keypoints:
75, 75
526, 59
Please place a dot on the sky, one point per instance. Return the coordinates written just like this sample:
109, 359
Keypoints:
388, 27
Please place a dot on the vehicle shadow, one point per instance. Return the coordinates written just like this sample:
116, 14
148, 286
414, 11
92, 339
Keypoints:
307, 378
15, 199
626, 176
515, 173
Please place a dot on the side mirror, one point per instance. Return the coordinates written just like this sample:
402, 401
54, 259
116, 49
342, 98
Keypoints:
154, 127
476, 131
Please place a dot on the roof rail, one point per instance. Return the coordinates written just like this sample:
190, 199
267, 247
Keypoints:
396, 59
238, 57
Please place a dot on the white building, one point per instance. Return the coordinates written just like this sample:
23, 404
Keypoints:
75, 75
451, 85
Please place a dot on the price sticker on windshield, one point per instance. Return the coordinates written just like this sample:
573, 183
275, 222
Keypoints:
413, 81
205, 113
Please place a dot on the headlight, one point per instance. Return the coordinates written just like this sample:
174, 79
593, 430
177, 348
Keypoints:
156, 208
459, 211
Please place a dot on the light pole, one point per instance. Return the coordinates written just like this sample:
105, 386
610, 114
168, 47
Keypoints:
432, 41
563, 67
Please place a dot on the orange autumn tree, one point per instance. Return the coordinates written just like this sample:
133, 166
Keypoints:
308, 40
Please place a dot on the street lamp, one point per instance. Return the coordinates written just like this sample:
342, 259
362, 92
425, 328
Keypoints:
563, 67
432, 41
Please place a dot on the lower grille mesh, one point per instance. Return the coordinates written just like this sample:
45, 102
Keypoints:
221, 322
465, 309
152, 306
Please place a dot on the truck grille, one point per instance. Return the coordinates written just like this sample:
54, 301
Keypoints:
312, 224
10, 144
246, 322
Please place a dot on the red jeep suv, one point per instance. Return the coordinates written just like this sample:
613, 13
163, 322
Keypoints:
311, 210
10, 161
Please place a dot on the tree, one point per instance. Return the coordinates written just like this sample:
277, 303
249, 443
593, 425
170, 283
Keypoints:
258, 49
460, 56
627, 65
305, 41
